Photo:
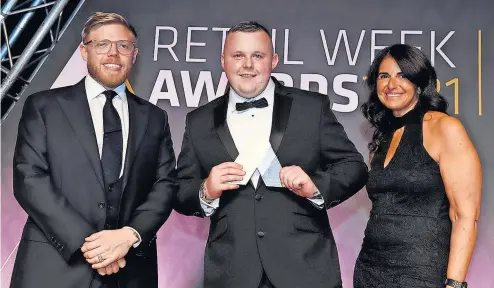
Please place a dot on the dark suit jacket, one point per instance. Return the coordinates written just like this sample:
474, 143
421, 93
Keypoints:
272, 229
58, 181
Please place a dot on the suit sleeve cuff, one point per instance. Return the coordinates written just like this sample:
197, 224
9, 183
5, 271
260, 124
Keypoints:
135, 245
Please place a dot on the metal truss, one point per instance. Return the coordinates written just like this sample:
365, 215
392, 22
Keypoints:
20, 64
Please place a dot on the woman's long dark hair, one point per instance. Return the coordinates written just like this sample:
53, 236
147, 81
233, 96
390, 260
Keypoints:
417, 69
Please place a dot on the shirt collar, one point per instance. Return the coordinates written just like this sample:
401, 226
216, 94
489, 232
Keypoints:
268, 93
94, 89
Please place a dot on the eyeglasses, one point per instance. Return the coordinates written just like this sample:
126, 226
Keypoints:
124, 47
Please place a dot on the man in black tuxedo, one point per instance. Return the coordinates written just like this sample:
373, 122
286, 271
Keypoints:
266, 236
94, 169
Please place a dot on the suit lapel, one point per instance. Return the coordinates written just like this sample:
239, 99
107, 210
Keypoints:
138, 121
221, 127
76, 108
281, 113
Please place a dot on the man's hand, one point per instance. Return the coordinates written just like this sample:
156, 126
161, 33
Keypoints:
297, 181
219, 178
105, 247
112, 268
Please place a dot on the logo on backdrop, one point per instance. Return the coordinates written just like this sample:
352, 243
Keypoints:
165, 45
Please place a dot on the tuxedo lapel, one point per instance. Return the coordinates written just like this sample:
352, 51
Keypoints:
76, 108
138, 121
221, 127
281, 113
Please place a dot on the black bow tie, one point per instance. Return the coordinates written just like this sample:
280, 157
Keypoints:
260, 103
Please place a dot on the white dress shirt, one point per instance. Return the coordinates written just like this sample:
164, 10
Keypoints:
97, 100
250, 129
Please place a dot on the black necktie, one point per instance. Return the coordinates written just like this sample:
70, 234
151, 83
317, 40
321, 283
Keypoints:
111, 156
260, 103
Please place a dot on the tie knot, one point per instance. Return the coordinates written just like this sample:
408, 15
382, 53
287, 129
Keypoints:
109, 94
260, 103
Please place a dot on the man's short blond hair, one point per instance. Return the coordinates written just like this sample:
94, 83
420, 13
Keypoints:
99, 19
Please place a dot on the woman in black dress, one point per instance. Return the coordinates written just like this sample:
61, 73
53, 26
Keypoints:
424, 182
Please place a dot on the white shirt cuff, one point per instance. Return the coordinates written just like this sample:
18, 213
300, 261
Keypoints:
209, 206
136, 234
317, 200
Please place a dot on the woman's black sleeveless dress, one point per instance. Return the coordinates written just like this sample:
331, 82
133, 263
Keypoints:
407, 238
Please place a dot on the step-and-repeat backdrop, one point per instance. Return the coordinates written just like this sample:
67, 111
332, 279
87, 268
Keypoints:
324, 46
